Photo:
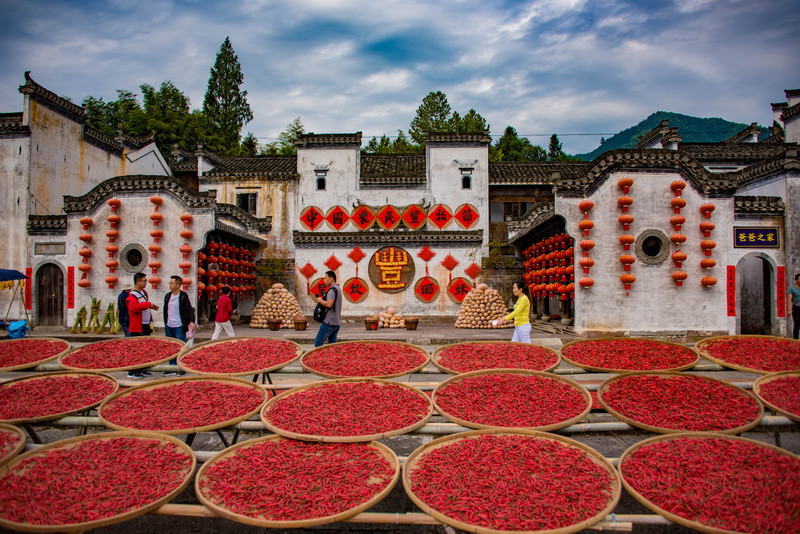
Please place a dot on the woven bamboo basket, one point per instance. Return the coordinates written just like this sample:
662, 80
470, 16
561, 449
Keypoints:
199, 346
694, 525
593, 455
59, 415
221, 511
702, 349
524, 372
762, 381
167, 382
603, 388
437, 354
683, 367
5, 344
88, 525
63, 360
17, 448
343, 343
344, 439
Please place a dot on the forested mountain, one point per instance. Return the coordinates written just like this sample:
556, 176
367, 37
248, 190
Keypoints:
691, 130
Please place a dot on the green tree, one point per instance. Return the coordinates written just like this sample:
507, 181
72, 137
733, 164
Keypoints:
285, 144
512, 147
249, 145
123, 114
433, 115
402, 145
225, 104
166, 111
379, 146
554, 151
472, 122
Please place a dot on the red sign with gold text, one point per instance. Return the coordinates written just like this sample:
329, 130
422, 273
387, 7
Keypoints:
70, 287
730, 286
28, 285
780, 299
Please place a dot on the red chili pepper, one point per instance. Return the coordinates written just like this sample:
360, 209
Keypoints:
18, 352
8, 441
43, 395
119, 353
761, 353
783, 392
358, 359
628, 354
239, 356
466, 357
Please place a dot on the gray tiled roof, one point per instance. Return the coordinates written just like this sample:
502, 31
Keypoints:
733, 152
11, 124
267, 167
138, 183
453, 137
393, 170
52, 100
47, 224
90, 135
331, 140
750, 131
516, 173
790, 112
743, 205
135, 141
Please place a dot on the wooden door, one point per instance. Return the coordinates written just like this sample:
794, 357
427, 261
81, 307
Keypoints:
50, 299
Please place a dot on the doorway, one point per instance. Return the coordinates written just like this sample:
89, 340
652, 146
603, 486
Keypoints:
50, 298
754, 280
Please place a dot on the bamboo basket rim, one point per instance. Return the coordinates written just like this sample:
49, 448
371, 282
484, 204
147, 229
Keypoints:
188, 350
436, 356
345, 439
528, 372
45, 376
36, 362
167, 382
219, 510
765, 379
664, 430
701, 349
105, 436
695, 525
592, 454
681, 367
365, 342
18, 448
127, 367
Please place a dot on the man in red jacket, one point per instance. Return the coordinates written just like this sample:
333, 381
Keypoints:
139, 316
224, 310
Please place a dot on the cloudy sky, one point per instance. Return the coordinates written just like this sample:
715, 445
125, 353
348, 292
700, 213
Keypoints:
543, 66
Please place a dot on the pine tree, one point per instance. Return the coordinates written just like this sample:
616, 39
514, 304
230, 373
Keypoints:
432, 116
554, 151
225, 104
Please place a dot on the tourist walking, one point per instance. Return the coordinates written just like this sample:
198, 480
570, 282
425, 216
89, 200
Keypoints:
329, 328
139, 314
521, 313
794, 311
178, 315
224, 310
122, 311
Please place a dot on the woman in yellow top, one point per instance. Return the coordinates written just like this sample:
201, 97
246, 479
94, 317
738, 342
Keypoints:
521, 313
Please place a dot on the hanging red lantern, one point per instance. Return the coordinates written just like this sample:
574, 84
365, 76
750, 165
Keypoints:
186, 218
677, 186
586, 206
111, 280
628, 280
625, 220
112, 264
85, 252
677, 203
708, 263
155, 265
156, 218
707, 227
112, 234
708, 281
84, 283
677, 237
679, 277
85, 237
155, 249
200, 286
84, 267
626, 260
154, 280
112, 249
586, 282
627, 240
186, 234
707, 245
587, 244
114, 203
156, 200
625, 184
114, 219
86, 222
624, 202
678, 257
677, 221
185, 250
201, 256
706, 209
156, 234
586, 263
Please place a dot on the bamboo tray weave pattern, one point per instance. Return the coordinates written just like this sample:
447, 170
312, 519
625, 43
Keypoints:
275, 482
12, 442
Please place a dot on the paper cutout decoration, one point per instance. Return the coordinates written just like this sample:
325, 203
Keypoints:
363, 217
337, 218
427, 289
414, 217
440, 216
466, 216
355, 290
311, 218
458, 288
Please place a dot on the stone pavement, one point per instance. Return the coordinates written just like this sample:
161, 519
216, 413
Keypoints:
431, 334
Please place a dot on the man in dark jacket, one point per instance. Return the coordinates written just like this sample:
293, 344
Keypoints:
178, 315
122, 307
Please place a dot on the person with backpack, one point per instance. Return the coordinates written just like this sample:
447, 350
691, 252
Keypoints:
122, 308
329, 329
139, 314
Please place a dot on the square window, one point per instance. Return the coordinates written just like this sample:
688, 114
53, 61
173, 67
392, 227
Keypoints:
247, 201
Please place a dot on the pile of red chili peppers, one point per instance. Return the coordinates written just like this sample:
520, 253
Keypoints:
90, 480
783, 392
726, 484
512, 482
8, 440
23, 351
184, 404
466, 357
43, 395
239, 356
629, 354
120, 353
348, 409
288, 480
687, 402
365, 359
763, 354
511, 400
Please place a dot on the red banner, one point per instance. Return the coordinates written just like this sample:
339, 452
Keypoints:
731, 289
28, 285
311, 218
457, 289
70, 287
427, 289
780, 299
355, 290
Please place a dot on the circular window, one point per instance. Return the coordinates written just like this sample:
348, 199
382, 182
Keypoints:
133, 258
652, 247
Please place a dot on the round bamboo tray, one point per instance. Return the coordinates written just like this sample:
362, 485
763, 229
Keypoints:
5, 344
344, 343
603, 388
17, 448
167, 382
759, 384
702, 345
345, 439
525, 372
179, 345
88, 525
298, 523
59, 415
199, 346
437, 355
682, 367
415, 457
695, 525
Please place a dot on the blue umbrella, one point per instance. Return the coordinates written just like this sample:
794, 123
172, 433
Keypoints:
11, 274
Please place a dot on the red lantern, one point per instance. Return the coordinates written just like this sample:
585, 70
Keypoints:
156, 200
156, 218
186, 218
154, 280
708, 281
114, 203
156, 234
201, 256
200, 286
627, 260
155, 265
84, 267
113, 219
706, 210
628, 280
84, 283
707, 227
585, 225
111, 281
155, 249
185, 250
677, 237
707, 245
85, 252
112, 264
677, 186
586, 206
679, 277
112, 249
586, 282
624, 202
625, 220
677, 203
186, 234
678, 257
86, 222
625, 184
708, 263
112, 234
85, 237
587, 244
677, 221
627, 240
